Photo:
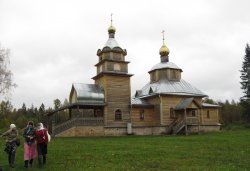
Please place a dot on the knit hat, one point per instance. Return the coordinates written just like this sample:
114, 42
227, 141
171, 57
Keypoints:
12, 126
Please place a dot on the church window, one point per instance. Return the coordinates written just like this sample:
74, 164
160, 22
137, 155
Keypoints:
118, 115
150, 90
111, 56
117, 67
171, 112
106, 55
208, 114
117, 56
173, 74
101, 68
142, 114
193, 112
153, 77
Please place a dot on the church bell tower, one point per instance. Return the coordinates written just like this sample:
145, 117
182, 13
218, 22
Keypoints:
112, 75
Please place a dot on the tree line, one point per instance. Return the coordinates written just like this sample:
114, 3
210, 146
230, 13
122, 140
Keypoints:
21, 116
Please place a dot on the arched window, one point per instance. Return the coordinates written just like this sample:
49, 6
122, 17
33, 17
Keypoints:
171, 112
118, 115
117, 67
142, 114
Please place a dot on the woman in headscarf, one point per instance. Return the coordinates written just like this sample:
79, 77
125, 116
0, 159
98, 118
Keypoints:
30, 152
11, 137
42, 141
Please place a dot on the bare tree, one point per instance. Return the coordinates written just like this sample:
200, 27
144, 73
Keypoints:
6, 82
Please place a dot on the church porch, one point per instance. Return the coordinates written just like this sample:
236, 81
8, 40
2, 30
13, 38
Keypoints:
186, 114
76, 115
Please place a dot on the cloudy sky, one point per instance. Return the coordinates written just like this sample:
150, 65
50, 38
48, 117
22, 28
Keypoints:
54, 43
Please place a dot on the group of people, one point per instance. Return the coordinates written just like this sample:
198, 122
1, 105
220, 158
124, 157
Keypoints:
35, 144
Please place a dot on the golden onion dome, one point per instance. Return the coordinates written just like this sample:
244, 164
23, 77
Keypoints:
164, 51
111, 29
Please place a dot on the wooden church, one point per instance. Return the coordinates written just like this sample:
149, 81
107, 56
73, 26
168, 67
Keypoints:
166, 105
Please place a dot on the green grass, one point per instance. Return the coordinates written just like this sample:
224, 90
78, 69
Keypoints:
226, 150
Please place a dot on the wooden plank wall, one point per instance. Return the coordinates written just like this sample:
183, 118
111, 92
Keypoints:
214, 116
148, 117
167, 103
117, 96
156, 102
171, 74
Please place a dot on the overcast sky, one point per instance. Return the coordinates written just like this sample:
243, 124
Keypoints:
54, 43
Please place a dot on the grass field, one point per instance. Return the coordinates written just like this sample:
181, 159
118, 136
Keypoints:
226, 150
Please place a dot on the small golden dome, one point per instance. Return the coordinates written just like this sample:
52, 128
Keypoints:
111, 29
164, 51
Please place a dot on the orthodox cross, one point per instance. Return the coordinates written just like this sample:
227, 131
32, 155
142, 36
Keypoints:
163, 36
111, 18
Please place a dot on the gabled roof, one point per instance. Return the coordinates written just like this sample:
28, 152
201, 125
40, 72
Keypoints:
170, 87
88, 93
140, 102
185, 103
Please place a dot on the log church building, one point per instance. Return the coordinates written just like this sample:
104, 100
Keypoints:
167, 104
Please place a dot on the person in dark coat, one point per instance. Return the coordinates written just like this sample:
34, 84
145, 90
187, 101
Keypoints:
42, 142
11, 137
30, 151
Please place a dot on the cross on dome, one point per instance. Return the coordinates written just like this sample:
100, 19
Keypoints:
164, 51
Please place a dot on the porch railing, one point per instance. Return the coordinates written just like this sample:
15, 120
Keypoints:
192, 120
98, 121
179, 125
176, 126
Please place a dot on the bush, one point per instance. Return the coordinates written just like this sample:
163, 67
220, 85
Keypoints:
4, 123
234, 126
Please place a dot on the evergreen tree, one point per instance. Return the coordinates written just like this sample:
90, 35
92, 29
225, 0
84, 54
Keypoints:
24, 109
42, 108
41, 113
245, 84
31, 111
66, 102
